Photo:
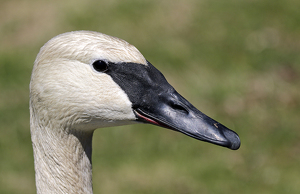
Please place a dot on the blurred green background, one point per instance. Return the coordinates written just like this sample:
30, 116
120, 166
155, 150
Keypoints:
237, 61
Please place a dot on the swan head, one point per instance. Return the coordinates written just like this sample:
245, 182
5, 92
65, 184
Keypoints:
86, 80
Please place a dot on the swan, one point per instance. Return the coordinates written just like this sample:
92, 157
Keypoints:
85, 80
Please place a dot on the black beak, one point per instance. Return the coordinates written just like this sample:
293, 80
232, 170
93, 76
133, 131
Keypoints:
155, 101
174, 112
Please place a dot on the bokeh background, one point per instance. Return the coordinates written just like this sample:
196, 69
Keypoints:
237, 61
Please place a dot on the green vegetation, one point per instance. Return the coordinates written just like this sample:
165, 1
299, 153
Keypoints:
237, 61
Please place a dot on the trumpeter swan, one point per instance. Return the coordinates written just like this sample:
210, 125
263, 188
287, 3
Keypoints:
86, 80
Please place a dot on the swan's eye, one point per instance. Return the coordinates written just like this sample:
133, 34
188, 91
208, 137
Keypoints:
100, 66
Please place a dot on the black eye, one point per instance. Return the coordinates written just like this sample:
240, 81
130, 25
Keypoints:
100, 66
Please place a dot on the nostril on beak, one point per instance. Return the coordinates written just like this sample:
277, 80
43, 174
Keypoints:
179, 107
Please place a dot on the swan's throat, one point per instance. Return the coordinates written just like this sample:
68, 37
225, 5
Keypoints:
62, 160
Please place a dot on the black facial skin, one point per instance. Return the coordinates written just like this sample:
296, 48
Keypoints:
155, 101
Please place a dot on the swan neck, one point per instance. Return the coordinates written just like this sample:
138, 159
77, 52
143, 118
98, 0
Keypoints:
62, 159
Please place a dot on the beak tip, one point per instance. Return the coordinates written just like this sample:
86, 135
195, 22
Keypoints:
235, 145
234, 140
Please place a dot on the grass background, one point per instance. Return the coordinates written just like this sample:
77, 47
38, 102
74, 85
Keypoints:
237, 61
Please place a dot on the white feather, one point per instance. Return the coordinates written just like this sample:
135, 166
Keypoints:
68, 101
